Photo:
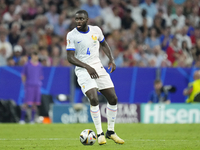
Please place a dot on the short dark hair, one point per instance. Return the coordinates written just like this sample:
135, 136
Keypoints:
34, 53
156, 81
82, 11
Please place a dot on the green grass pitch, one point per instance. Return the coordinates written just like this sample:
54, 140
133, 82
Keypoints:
66, 137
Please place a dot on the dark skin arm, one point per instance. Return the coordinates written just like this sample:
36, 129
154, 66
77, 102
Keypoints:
93, 74
107, 51
73, 60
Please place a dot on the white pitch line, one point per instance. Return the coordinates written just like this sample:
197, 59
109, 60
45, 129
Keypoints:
73, 139
35, 139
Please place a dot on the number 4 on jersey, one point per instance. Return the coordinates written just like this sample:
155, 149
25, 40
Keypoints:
88, 52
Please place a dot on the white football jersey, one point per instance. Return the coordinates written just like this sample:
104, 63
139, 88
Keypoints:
85, 44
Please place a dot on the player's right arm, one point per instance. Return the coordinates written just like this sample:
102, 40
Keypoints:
73, 60
23, 75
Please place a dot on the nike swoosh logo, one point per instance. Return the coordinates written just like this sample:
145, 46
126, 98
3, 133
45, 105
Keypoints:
78, 41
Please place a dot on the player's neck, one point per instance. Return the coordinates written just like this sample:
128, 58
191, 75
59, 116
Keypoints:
84, 30
34, 62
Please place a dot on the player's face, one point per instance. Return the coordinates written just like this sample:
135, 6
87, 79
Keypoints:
81, 21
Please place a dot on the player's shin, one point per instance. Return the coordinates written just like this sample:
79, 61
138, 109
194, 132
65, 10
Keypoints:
111, 116
96, 117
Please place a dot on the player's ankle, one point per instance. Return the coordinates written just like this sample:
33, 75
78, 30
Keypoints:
109, 132
98, 135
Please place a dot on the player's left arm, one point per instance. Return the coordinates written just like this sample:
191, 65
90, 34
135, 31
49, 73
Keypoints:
105, 47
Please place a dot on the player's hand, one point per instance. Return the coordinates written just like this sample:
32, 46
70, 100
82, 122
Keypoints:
112, 65
92, 72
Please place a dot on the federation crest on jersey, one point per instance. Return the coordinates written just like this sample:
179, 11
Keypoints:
94, 38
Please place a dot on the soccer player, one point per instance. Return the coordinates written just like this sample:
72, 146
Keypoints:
83, 51
31, 77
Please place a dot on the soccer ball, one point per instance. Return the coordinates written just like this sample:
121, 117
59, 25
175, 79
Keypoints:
88, 137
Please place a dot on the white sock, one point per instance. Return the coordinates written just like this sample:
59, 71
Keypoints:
96, 117
111, 116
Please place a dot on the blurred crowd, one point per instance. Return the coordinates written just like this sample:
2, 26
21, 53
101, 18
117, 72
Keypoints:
145, 33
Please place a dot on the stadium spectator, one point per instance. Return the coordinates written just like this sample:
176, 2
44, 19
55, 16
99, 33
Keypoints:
141, 56
133, 33
10, 62
182, 36
55, 56
160, 4
112, 21
30, 36
158, 95
118, 57
61, 27
52, 15
5, 46
150, 7
126, 20
146, 23
14, 35
105, 9
173, 51
165, 39
129, 54
152, 40
193, 89
196, 51
40, 22
135, 11
159, 22
171, 7
25, 12
32, 10
179, 16
187, 55
3, 56
9, 16
3, 9
158, 56
174, 25
44, 57
120, 5
194, 37
17, 50
93, 11
187, 8
40, 10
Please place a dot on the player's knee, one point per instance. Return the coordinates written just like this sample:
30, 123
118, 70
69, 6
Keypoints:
113, 100
94, 101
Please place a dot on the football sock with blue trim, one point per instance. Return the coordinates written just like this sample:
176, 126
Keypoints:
96, 117
111, 116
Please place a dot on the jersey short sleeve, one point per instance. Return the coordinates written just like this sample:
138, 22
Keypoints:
70, 42
101, 36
